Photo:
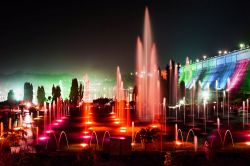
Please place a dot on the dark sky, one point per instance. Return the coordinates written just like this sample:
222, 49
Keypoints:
96, 35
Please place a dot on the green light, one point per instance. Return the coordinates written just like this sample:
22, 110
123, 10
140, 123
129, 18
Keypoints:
242, 45
18, 94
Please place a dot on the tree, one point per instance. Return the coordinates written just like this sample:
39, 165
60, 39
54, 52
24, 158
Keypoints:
28, 92
73, 96
148, 135
11, 96
56, 92
40, 95
135, 93
182, 89
53, 91
80, 93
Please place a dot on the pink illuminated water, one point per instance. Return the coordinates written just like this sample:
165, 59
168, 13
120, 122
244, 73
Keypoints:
86, 97
119, 86
238, 75
148, 98
120, 97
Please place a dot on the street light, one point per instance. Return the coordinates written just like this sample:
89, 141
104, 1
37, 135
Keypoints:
204, 57
242, 46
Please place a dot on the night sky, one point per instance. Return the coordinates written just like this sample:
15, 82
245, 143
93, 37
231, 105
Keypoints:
92, 35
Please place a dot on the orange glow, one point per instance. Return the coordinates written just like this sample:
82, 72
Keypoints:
154, 126
132, 144
117, 122
248, 143
28, 104
178, 143
84, 145
164, 74
85, 132
88, 122
123, 130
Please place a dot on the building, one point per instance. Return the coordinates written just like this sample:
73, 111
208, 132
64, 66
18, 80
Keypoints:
229, 72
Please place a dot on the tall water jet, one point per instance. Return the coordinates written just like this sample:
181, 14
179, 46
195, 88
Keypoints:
176, 132
195, 143
228, 90
2, 129
148, 98
119, 95
86, 93
10, 123
247, 110
243, 114
218, 124
20, 124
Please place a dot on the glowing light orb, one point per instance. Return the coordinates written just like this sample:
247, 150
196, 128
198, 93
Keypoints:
43, 138
56, 124
85, 132
49, 131
28, 104
178, 143
154, 126
86, 136
88, 122
84, 145
123, 130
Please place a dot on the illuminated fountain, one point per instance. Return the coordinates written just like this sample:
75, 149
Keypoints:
86, 93
148, 98
1, 129
119, 95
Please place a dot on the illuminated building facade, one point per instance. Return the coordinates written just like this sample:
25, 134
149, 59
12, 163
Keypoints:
230, 72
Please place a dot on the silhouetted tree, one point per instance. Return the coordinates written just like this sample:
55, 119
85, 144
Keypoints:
148, 135
56, 92
40, 95
80, 93
182, 89
53, 91
11, 96
28, 92
73, 96
49, 98
135, 93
